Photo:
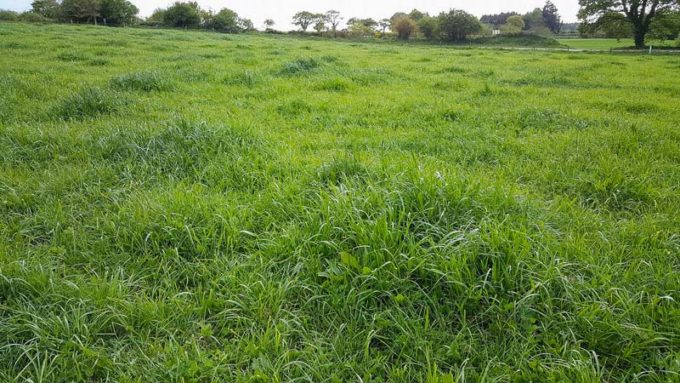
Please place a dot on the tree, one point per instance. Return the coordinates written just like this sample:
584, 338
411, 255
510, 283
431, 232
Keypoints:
359, 29
368, 23
333, 19
551, 17
384, 24
397, 16
427, 26
157, 18
405, 27
457, 25
320, 23
640, 13
246, 25
117, 12
46, 8
304, 19
612, 25
80, 11
226, 21
666, 26
416, 15
534, 20
182, 15
7, 15
514, 24
269, 24
499, 19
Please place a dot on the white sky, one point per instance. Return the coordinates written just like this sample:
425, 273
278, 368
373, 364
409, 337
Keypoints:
283, 10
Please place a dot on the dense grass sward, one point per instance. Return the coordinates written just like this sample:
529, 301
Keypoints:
196, 207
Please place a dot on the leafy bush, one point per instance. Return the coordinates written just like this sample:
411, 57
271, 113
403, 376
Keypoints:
143, 81
405, 27
8, 15
32, 17
88, 103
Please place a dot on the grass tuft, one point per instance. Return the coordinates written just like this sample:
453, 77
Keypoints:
150, 81
90, 102
299, 67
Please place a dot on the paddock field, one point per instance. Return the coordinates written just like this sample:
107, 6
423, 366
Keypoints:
195, 207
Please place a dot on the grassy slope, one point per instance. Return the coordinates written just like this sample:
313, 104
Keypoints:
249, 208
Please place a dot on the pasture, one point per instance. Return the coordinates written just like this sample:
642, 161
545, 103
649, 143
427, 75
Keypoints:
597, 44
197, 207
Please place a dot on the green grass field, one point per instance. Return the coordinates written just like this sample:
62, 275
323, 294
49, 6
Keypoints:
597, 44
607, 44
196, 207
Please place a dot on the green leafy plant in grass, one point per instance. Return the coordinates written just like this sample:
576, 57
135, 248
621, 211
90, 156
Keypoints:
90, 102
151, 81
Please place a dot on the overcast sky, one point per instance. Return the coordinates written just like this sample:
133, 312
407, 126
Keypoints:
283, 10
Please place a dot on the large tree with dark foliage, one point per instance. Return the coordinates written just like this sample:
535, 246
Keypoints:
117, 12
183, 15
498, 19
640, 13
457, 25
551, 17
304, 19
80, 11
46, 8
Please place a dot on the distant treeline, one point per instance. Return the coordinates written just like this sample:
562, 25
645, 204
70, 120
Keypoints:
123, 13
599, 19
454, 25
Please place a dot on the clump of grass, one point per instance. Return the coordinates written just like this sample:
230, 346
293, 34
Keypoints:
368, 77
72, 56
299, 67
487, 90
294, 108
90, 102
547, 120
452, 115
246, 78
454, 69
330, 59
210, 56
99, 62
333, 85
343, 170
148, 81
